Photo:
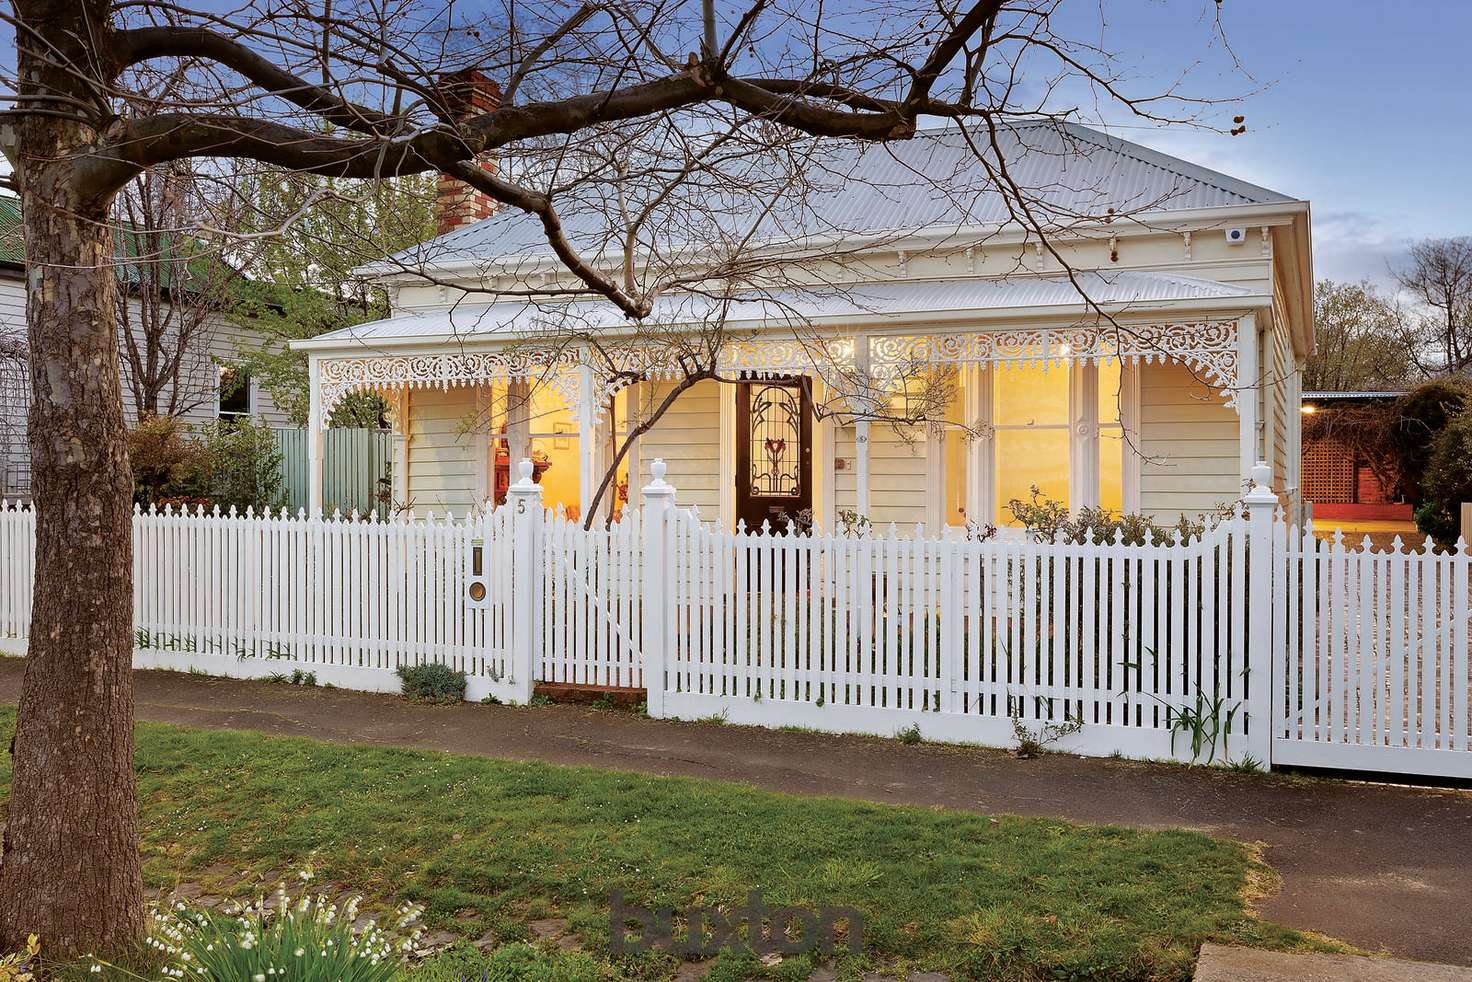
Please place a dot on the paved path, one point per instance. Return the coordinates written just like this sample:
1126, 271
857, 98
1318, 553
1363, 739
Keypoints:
1379, 866
1222, 963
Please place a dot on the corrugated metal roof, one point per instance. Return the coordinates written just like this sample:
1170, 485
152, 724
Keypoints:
1351, 394
12, 242
934, 181
909, 298
130, 244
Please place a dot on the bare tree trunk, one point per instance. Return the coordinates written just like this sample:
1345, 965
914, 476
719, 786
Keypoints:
70, 870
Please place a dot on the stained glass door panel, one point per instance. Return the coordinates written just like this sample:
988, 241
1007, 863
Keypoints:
773, 452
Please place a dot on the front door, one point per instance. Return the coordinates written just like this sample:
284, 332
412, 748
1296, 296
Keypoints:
774, 453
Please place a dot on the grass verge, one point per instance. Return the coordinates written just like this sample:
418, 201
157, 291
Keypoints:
493, 845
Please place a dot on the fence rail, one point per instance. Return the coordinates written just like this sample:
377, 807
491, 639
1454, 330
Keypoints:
1251, 641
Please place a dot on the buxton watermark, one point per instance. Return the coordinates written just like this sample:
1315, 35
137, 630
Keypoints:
754, 926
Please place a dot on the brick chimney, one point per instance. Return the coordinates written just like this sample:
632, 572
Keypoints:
467, 94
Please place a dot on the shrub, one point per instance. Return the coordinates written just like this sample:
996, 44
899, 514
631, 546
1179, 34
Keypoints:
851, 522
1050, 521
241, 465
1421, 414
229, 464
1031, 744
1447, 481
432, 682
164, 458
310, 939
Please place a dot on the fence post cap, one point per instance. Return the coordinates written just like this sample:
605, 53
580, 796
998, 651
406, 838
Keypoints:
659, 487
524, 470
1262, 480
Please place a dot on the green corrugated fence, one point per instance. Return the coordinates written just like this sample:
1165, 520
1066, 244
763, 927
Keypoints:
357, 465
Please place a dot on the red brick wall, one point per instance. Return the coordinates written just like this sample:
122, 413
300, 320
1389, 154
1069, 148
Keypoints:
466, 94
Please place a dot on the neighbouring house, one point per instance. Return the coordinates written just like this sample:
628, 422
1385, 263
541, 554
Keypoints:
198, 394
1340, 484
1161, 407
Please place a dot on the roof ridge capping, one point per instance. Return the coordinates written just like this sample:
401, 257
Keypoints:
1256, 193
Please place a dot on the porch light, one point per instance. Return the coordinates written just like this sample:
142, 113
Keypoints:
1308, 409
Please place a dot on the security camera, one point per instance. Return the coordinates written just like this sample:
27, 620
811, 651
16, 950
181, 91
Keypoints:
1236, 236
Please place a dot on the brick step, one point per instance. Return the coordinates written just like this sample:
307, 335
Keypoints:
623, 696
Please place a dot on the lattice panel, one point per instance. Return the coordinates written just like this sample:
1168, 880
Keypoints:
1328, 473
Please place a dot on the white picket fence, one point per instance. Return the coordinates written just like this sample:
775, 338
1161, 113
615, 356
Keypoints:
1195, 650
1373, 670
881, 632
347, 599
591, 607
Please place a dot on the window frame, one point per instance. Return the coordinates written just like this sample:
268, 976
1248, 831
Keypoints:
249, 389
1083, 426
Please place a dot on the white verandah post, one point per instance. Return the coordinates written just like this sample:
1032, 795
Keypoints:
524, 497
861, 424
1259, 659
315, 424
588, 455
1248, 383
659, 513
399, 404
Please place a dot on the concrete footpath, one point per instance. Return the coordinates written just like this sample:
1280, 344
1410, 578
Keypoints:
1224, 963
1380, 866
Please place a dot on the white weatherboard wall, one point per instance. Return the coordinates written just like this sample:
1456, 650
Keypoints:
897, 487
198, 400
898, 491
199, 384
688, 438
445, 449
1189, 443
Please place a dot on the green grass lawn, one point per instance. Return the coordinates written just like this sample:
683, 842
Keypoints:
487, 844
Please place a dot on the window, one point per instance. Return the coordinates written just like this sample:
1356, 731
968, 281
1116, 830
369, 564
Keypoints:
1060, 429
234, 394
1031, 418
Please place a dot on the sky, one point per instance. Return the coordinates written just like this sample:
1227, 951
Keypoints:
1360, 106
1363, 107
